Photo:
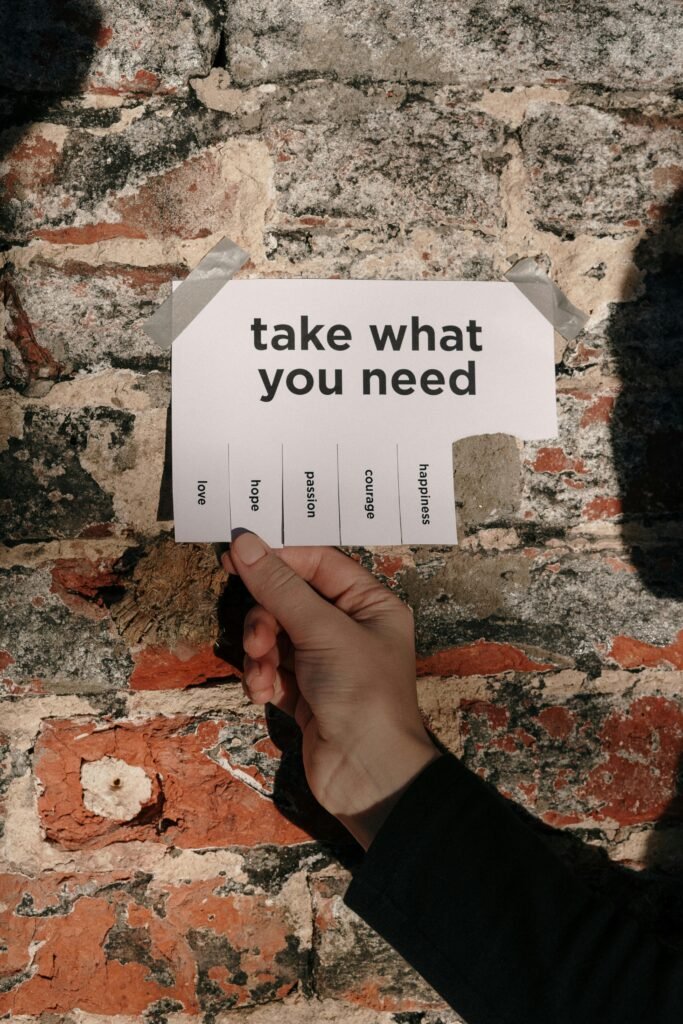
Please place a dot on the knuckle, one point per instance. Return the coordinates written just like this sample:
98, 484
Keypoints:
280, 577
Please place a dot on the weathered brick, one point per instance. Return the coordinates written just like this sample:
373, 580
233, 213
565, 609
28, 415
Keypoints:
119, 943
87, 316
480, 42
57, 640
552, 604
590, 761
94, 167
214, 783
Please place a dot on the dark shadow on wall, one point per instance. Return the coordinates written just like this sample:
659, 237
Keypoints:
646, 343
46, 49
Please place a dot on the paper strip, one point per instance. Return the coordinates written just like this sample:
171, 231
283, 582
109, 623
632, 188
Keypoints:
425, 475
201, 500
256, 490
368, 495
192, 294
310, 494
547, 298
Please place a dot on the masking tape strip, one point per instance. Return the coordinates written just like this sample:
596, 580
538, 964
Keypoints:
194, 292
548, 299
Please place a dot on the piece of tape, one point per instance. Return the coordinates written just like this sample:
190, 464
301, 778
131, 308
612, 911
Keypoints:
194, 292
549, 300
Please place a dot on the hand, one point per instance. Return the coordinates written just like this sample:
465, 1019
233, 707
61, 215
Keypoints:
331, 646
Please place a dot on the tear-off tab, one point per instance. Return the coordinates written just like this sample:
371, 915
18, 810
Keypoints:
368, 495
310, 493
201, 493
256, 491
425, 474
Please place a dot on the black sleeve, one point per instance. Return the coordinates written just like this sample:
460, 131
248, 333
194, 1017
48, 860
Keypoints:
474, 899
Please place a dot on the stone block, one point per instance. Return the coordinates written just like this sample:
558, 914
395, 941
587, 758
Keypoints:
596, 172
475, 42
488, 479
363, 154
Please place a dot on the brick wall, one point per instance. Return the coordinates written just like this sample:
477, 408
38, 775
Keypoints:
161, 857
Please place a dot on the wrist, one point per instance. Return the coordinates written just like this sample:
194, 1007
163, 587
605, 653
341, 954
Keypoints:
385, 782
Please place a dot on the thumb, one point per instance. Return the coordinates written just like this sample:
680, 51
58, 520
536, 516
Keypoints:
299, 609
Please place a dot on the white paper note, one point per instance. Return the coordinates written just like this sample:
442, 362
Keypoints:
390, 373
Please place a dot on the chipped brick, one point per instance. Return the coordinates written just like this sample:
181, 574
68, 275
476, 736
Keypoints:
210, 792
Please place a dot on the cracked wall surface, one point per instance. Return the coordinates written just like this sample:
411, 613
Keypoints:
161, 856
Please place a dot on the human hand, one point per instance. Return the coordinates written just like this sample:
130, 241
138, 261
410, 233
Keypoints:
331, 646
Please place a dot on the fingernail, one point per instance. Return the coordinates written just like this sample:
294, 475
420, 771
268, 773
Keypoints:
249, 548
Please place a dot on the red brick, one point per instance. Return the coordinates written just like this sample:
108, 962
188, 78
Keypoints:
636, 778
388, 565
559, 820
31, 163
599, 411
88, 234
497, 717
557, 722
189, 201
631, 653
157, 668
556, 460
142, 83
104, 36
140, 278
602, 508
195, 802
618, 564
36, 360
480, 658
98, 947
79, 582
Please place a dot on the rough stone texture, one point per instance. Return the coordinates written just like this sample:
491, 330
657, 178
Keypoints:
106, 48
615, 43
409, 142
